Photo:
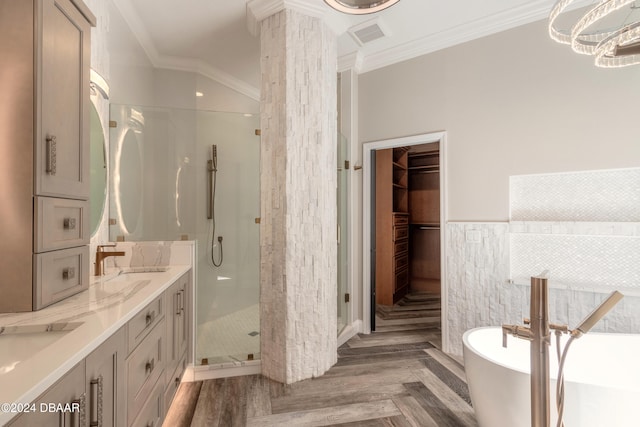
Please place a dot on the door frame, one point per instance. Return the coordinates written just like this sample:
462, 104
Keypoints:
367, 148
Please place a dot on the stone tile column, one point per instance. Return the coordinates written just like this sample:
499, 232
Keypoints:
298, 247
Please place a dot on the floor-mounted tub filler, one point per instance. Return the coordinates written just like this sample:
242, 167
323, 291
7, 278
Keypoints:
601, 373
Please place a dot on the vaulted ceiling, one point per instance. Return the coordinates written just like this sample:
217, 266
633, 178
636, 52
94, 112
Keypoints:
212, 37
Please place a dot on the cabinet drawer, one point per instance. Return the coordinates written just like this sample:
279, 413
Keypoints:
401, 247
152, 413
60, 274
402, 279
60, 223
144, 367
173, 381
400, 232
143, 322
400, 219
401, 262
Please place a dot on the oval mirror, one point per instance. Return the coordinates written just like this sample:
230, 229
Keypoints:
130, 185
98, 170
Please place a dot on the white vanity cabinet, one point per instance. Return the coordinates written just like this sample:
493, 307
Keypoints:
145, 364
44, 140
68, 394
178, 298
129, 379
104, 383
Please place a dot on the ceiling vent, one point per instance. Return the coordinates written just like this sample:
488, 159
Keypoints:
368, 31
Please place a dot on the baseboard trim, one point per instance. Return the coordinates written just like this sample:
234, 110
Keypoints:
224, 370
350, 331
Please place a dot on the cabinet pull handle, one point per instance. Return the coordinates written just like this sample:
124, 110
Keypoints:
148, 368
149, 318
69, 223
51, 155
95, 410
178, 303
77, 418
68, 273
182, 294
177, 382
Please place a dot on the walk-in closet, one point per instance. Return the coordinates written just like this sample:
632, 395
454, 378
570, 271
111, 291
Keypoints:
407, 222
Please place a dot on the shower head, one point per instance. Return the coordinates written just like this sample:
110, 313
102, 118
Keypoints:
597, 314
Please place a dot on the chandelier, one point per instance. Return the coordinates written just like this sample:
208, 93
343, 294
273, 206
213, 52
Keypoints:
360, 7
608, 30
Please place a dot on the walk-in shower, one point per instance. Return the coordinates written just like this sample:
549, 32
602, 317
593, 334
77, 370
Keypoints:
170, 183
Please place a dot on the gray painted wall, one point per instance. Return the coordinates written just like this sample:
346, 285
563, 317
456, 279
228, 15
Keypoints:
512, 103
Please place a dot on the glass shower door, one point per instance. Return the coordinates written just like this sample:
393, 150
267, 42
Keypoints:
228, 292
160, 188
343, 232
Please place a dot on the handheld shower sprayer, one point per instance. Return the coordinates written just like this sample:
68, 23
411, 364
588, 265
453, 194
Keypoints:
212, 169
597, 314
585, 326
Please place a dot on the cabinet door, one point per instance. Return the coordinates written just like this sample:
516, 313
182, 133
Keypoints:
177, 325
105, 383
63, 404
62, 140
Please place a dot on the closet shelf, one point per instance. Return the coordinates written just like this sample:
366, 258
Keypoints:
399, 187
434, 168
399, 166
426, 225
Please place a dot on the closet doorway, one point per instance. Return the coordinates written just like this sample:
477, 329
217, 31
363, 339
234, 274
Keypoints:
404, 215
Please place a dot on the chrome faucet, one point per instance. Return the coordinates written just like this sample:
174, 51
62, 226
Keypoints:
101, 255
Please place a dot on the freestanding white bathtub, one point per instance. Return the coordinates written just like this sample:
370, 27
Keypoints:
602, 380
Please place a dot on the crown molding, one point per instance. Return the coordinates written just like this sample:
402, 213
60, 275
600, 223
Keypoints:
532, 11
203, 68
350, 61
258, 10
139, 31
131, 17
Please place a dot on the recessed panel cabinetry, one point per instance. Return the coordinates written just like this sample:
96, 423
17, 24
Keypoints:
63, 404
105, 381
44, 138
132, 377
178, 331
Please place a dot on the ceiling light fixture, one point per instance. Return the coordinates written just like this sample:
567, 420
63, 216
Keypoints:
360, 7
609, 30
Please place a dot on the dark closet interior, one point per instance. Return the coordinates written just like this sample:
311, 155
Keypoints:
407, 212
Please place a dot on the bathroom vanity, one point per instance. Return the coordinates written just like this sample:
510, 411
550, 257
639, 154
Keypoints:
111, 355
44, 141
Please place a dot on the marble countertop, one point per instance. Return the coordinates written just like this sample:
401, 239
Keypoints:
93, 315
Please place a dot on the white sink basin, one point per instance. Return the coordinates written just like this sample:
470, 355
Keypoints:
19, 343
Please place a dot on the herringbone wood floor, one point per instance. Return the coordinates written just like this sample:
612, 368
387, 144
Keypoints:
396, 376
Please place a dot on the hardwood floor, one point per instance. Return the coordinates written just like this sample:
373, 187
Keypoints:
396, 376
